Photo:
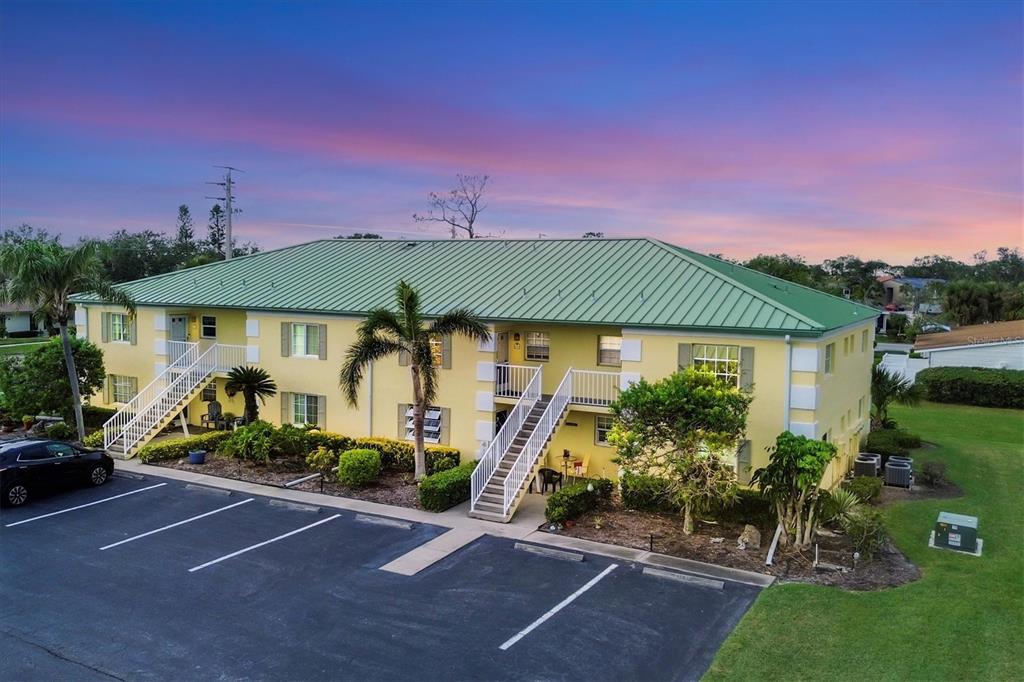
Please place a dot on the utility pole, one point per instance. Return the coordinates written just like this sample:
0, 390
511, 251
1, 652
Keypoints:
228, 185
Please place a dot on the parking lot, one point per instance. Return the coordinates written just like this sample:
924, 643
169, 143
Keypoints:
150, 578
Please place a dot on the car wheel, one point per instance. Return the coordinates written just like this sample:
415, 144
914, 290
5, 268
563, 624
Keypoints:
99, 475
15, 495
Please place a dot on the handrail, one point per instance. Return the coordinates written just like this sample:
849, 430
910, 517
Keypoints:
114, 427
591, 387
501, 442
538, 439
511, 380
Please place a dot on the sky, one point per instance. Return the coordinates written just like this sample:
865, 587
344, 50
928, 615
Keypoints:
886, 130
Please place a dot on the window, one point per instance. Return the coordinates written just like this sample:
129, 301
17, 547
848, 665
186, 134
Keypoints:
433, 420
602, 425
120, 328
60, 450
846, 345
305, 408
722, 361
210, 392
538, 346
122, 388
830, 358
306, 340
860, 408
825, 437
842, 423
864, 341
34, 453
437, 351
609, 350
208, 327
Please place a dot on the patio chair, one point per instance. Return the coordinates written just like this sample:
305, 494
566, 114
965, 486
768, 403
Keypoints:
550, 477
214, 415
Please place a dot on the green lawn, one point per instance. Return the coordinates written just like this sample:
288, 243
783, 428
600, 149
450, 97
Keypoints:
24, 346
964, 619
28, 339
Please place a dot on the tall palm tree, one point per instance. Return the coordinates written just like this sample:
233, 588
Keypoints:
887, 388
252, 383
385, 333
45, 274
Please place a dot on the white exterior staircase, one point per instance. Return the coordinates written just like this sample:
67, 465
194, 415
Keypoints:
156, 405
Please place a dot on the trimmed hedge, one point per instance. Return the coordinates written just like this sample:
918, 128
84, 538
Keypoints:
446, 489
866, 488
176, 448
61, 431
94, 439
96, 416
889, 442
328, 439
575, 500
973, 386
647, 493
359, 467
400, 455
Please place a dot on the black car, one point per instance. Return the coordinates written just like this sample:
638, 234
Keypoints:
29, 466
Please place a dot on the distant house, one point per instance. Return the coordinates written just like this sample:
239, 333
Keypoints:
911, 293
17, 319
998, 345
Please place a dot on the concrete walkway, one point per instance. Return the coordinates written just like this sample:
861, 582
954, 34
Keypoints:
524, 526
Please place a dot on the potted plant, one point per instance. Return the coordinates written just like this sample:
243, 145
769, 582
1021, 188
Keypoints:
27, 420
7, 424
197, 457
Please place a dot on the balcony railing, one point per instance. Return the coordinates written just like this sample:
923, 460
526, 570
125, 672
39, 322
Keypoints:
227, 355
510, 381
594, 388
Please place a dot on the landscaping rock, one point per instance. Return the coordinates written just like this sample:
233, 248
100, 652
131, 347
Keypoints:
749, 538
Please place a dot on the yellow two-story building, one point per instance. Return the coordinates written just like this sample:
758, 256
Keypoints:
574, 322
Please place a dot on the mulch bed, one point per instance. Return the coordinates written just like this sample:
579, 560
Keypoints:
892, 494
392, 488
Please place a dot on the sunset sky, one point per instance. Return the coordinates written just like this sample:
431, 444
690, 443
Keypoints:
881, 129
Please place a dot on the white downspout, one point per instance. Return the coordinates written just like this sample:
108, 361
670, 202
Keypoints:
789, 381
369, 409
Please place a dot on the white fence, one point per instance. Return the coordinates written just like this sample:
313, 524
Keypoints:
594, 388
511, 380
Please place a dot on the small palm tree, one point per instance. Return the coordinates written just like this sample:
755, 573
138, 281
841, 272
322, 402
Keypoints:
385, 333
46, 274
887, 388
252, 382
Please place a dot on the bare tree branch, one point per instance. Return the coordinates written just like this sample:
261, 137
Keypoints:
459, 208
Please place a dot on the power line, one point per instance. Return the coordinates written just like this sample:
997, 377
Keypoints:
228, 198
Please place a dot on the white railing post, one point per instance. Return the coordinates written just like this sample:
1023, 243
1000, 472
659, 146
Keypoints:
501, 442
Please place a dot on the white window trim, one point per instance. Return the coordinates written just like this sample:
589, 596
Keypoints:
305, 407
830, 367
126, 385
202, 327
597, 429
599, 349
305, 340
126, 328
431, 434
527, 344
696, 360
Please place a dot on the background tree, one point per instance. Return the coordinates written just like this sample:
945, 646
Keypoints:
790, 268
888, 388
359, 235
675, 429
593, 235
45, 274
28, 383
459, 208
216, 229
792, 483
184, 231
127, 256
252, 382
405, 333
860, 277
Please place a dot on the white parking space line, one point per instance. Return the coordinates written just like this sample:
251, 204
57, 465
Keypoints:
179, 523
261, 544
83, 506
557, 607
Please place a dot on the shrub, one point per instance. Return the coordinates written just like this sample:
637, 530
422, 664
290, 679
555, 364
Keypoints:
838, 506
393, 453
886, 442
332, 441
358, 467
447, 488
933, 473
908, 439
866, 531
750, 506
973, 386
647, 493
94, 439
441, 458
289, 441
61, 431
96, 416
866, 488
252, 442
323, 459
574, 500
176, 448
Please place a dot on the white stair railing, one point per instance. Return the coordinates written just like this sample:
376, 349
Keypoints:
171, 397
501, 442
538, 440
229, 356
184, 355
594, 388
510, 381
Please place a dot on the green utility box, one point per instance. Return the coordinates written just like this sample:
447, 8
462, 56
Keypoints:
956, 531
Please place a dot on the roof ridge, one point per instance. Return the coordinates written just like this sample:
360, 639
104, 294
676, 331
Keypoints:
685, 254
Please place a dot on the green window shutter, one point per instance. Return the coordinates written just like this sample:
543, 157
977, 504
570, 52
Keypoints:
286, 408
402, 409
134, 385
133, 331
286, 339
746, 368
321, 411
105, 324
323, 341
685, 355
446, 420
743, 472
446, 352
108, 387
403, 358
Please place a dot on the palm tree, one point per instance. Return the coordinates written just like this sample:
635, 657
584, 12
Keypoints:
251, 382
47, 274
886, 388
385, 333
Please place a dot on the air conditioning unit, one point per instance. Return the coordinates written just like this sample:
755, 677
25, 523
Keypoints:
898, 474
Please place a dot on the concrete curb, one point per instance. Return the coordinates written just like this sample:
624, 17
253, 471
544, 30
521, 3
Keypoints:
559, 554
382, 521
456, 518
684, 578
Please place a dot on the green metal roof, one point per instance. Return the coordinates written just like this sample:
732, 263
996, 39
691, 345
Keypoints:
621, 282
